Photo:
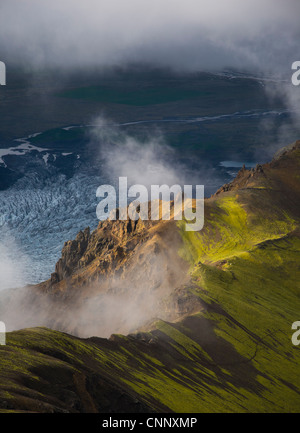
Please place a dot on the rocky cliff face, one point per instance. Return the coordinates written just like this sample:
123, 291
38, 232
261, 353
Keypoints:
129, 267
106, 248
71, 254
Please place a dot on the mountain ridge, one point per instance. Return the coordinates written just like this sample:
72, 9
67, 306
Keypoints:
231, 352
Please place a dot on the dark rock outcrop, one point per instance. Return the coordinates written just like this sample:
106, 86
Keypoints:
72, 253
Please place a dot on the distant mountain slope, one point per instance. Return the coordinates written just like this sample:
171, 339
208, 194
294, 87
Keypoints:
229, 295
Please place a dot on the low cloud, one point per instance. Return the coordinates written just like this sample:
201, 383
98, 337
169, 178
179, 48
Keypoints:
12, 262
281, 130
190, 35
147, 160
